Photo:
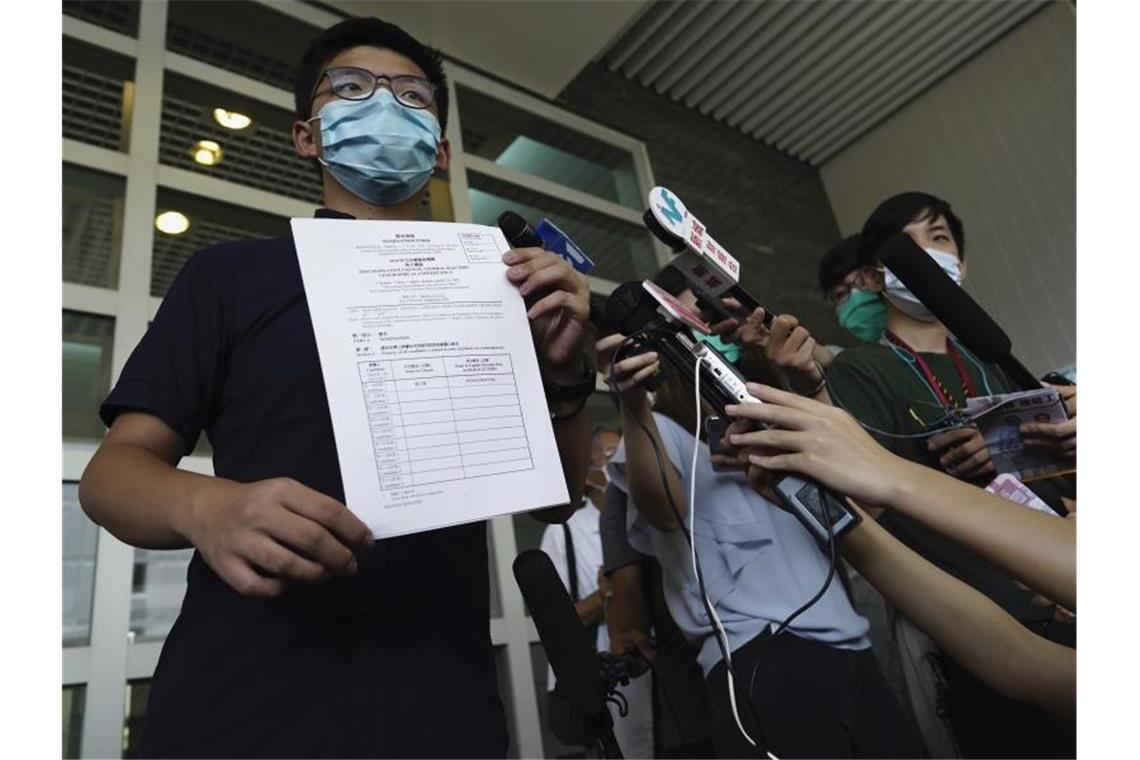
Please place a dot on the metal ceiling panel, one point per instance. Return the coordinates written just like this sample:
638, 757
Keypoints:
808, 77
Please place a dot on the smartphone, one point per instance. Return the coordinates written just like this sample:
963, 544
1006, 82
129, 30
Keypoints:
676, 309
715, 429
1056, 378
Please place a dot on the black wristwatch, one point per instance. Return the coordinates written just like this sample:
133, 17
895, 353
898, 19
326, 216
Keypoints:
573, 392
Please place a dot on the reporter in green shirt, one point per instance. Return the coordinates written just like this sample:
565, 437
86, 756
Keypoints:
903, 389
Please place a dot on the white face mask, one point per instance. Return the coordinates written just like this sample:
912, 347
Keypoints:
905, 301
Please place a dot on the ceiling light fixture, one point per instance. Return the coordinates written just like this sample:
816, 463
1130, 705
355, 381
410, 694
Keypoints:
206, 152
231, 119
172, 222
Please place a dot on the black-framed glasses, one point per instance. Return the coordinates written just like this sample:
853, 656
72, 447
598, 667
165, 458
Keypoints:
353, 83
839, 292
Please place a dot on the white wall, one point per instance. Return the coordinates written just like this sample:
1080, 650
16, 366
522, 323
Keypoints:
997, 138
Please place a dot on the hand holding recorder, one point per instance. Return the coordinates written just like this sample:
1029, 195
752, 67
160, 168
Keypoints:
825, 443
659, 323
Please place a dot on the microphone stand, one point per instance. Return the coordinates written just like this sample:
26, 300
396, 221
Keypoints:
607, 743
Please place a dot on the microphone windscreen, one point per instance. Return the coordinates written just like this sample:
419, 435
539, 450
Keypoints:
945, 299
665, 236
565, 639
629, 308
518, 231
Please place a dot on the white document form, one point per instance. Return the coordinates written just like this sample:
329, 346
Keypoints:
432, 380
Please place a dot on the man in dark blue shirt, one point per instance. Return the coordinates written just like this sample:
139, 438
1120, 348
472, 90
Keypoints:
299, 634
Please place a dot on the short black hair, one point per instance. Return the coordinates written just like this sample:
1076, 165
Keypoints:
840, 261
604, 427
896, 212
370, 32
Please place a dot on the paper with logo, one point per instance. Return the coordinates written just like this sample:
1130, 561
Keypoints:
432, 380
1011, 489
1000, 417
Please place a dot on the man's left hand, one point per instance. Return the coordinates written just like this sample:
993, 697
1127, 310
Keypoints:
963, 453
558, 306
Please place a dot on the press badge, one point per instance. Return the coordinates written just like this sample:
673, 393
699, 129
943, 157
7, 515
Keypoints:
557, 241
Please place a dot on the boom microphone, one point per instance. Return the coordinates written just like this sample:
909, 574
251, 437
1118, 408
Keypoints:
566, 643
953, 307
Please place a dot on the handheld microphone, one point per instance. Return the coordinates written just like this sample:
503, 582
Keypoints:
953, 307
518, 231
520, 234
710, 270
638, 311
566, 643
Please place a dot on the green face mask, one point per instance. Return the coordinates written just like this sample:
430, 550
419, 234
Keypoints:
731, 351
863, 314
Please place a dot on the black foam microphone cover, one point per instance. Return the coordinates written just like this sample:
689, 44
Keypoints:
945, 299
565, 639
630, 308
518, 231
665, 236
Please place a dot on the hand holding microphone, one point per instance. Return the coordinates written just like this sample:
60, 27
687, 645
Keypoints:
556, 296
733, 326
627, 376
827, 444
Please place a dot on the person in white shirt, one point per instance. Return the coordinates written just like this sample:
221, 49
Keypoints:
582, 527
817, 690
634, 732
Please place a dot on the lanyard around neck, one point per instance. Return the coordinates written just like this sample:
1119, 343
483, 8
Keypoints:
932, 381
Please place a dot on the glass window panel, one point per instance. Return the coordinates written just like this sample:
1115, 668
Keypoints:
73, 698
525, 142
158, 584
223, 34
97, 92
492, 569
528, 531
211, 222
260, 155
80, 539
621, 250
551, 746
135, 715
87, 342
503, 675
92, 226
120, 16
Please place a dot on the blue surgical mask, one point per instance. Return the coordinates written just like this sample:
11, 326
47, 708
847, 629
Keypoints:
380, 151
731, 351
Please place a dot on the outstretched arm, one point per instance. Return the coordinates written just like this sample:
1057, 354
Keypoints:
965, 623
642, 439
825, 443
